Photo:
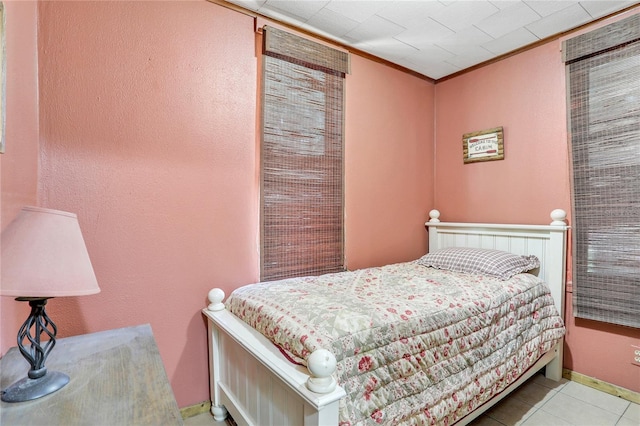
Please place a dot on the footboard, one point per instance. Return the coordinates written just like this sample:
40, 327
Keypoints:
251, 380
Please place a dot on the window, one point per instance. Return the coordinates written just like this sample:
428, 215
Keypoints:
603, 74
301, 157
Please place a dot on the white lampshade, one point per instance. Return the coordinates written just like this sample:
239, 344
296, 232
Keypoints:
44, 255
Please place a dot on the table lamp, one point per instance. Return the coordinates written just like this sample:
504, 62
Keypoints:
43, 256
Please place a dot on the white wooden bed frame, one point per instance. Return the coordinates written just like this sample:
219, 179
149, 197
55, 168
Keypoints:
251, 380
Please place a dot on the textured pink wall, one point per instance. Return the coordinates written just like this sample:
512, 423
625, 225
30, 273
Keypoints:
147, 112
148, 133
526, 95
388, 160
601, 350
19, 163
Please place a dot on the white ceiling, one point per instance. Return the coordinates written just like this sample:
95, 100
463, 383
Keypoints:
435, 38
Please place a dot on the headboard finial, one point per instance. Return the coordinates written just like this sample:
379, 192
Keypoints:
434, 215
559, 216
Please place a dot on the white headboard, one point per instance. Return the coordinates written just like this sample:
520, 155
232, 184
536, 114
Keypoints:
547, 242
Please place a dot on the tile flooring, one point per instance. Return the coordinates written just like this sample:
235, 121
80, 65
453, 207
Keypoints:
540, 402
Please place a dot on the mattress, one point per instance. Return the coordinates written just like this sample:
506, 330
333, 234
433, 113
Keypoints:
413, 344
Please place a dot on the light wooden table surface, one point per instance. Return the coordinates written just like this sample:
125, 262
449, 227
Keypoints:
117, 378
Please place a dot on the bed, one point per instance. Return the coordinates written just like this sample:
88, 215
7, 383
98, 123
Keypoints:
295, 370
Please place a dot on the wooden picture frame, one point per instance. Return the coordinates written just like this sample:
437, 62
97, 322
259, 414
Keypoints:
485, 145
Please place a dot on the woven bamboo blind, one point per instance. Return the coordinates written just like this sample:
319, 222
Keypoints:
301, 157
603, 73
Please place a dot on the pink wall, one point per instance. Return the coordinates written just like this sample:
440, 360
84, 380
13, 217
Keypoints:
526, 95
388, 160
147, 112
148, 132
19, 163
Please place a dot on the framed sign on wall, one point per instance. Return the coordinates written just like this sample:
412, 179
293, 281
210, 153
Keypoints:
485, 145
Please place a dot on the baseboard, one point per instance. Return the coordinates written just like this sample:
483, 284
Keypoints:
600, 385
194, 410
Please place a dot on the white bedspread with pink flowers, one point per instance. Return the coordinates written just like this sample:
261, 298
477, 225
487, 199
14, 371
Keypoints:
414, 345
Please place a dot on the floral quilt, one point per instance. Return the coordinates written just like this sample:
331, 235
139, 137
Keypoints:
414, 345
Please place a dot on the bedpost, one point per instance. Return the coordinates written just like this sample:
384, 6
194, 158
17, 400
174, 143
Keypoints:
557, 266
433, 231
215, 296
555, 263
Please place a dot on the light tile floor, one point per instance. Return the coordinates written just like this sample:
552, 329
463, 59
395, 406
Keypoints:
540, 402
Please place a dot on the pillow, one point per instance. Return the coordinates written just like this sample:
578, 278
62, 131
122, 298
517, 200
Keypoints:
495, 263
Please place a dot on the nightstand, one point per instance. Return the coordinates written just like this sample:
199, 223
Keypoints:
117, 378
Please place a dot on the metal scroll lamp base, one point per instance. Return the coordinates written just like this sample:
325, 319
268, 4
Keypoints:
39, 382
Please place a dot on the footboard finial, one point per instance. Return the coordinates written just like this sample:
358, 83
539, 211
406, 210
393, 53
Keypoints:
216, 296
434, 216
559, 216
321, 364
